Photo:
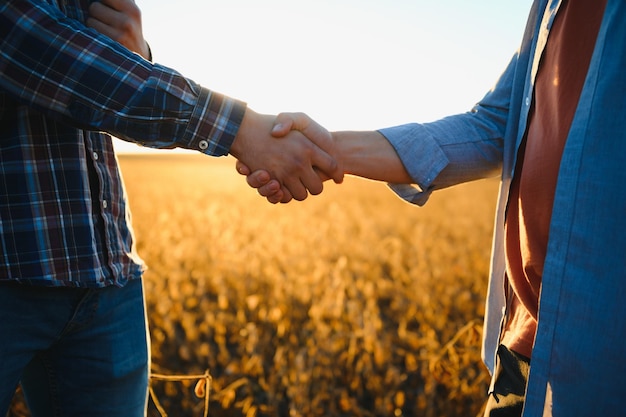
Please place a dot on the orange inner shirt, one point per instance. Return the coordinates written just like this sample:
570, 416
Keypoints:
558, 85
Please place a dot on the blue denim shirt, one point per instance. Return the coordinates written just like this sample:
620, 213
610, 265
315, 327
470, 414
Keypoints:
578, 362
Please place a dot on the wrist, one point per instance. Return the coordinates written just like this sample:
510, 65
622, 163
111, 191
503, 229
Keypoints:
350, 151
238, 146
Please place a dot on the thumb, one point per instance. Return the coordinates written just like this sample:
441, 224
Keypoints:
318, 135
324, 140
311, 129
282, 125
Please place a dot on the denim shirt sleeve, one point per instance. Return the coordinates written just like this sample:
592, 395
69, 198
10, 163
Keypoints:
455, 149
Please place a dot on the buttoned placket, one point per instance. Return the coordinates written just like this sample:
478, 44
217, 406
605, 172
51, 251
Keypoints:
96, 159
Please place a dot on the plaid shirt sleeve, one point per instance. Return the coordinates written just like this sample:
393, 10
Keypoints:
64, 216
51, 62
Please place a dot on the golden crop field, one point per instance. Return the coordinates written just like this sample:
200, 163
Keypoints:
351, 303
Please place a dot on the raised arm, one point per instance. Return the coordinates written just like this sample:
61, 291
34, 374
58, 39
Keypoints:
120, 20
55, 64
71, 73
417, 159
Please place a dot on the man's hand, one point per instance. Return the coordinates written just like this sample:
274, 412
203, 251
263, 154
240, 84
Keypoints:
291, 163
366, 154
283, 125
120, 20
264, 184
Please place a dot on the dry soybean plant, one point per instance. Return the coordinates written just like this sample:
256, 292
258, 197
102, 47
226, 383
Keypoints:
352, 303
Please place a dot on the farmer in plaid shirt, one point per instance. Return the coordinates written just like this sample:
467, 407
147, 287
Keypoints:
73, 327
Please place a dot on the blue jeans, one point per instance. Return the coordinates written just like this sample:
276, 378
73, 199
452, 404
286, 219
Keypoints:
77, 352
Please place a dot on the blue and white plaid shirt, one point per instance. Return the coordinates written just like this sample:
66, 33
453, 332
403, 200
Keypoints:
64, 219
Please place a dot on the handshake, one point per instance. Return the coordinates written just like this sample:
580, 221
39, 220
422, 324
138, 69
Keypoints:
284, 157
289, 156
288, 162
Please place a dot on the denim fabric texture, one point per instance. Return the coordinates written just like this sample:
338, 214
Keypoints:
577, 358
78, 352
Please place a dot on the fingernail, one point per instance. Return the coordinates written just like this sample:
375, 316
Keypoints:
277, 127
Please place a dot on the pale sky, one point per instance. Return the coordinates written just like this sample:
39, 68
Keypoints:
349, 64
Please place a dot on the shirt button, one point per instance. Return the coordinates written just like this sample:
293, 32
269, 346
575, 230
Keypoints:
105, 204
95, 156
203, 144
528, 101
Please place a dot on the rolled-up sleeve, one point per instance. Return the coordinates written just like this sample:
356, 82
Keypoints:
455, 149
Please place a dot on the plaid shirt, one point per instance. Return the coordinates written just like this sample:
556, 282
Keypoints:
64, 219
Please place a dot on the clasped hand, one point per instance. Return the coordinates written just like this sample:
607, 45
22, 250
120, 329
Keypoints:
288, 163
291, 162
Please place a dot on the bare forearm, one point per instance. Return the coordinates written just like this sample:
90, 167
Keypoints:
368, 154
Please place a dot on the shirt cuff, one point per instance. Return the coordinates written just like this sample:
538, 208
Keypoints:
214, 123
422, 157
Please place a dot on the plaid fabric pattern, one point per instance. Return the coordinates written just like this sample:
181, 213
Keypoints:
64, 219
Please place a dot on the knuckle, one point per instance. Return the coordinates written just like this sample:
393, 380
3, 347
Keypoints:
135, 12
94, 7
127, 25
